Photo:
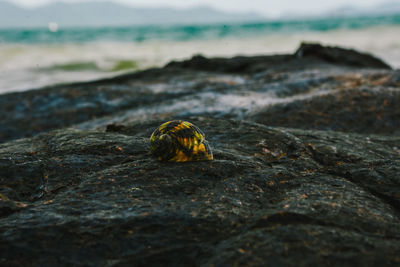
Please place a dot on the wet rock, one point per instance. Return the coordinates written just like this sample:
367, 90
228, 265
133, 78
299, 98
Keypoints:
293, 196
307, 54
218, 86
305, 171
340, 55
358, 110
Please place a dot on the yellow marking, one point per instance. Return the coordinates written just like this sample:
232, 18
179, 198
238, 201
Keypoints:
202, 148
199, 135
177, 128
187, 124
190, 142
180, 157
162, 127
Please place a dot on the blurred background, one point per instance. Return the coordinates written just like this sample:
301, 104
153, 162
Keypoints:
46, 42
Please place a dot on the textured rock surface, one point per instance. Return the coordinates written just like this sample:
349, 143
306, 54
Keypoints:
219, 87
364, 110
91, 195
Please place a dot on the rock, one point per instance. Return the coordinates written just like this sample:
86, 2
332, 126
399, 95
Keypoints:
290, 196
29, 113
340, 55
305, 171
307, 54
356, 110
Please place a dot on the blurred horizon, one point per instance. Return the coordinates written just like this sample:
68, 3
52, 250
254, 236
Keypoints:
113, 39
262, 10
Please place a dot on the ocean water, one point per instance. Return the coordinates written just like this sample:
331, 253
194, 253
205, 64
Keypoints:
32, 58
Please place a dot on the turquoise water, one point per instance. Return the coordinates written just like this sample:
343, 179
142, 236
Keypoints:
35, 57
189, 32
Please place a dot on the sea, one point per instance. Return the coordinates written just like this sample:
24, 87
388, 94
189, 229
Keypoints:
31, 58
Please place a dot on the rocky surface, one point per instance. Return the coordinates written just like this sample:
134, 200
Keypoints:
364, 110
306, 169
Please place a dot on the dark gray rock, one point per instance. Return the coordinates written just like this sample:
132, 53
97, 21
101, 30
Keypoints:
356, 110
83, 190
286, 197
340, 56
175, 89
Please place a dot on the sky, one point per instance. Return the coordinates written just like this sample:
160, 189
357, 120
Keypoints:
265, 7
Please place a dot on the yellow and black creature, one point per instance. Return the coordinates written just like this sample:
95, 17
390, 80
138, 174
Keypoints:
179, 141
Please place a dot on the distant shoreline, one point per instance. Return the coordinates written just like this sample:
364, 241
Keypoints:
57, 33
27, 65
